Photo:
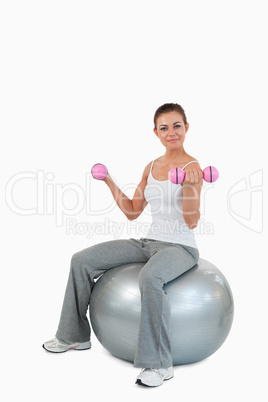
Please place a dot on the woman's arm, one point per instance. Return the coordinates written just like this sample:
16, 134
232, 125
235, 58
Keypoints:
192, 186
131, 208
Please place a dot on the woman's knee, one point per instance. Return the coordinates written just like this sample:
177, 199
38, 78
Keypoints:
149, 280
79, 261
76, 259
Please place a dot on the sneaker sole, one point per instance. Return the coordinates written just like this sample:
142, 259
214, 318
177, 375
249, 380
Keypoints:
77, 348
139, 382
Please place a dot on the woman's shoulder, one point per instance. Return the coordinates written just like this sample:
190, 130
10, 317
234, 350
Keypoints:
147, 170
191, 163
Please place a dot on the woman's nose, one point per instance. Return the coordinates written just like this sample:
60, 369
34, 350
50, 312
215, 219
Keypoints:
171, 131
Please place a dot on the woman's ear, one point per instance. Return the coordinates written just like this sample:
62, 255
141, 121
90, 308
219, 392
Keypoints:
155, 131
186, 127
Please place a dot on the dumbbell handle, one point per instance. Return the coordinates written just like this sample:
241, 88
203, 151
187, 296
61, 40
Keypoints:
177, 175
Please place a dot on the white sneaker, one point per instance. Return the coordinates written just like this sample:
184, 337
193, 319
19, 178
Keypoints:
154, 377
59, 346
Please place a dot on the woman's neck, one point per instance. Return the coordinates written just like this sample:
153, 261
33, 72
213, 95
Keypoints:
174, 156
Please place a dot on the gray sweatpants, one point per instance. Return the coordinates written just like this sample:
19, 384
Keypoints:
163, 263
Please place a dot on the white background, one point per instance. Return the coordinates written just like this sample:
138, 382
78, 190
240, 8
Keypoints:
80, 82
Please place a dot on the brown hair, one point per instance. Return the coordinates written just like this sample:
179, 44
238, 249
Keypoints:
169, 107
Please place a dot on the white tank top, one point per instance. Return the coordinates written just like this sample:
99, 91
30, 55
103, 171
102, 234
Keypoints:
165, 200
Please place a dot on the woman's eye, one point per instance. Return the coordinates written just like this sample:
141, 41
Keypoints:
177, 126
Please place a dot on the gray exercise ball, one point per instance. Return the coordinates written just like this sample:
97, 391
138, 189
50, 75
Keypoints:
201, 303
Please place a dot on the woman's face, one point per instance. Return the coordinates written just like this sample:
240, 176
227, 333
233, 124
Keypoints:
171, 130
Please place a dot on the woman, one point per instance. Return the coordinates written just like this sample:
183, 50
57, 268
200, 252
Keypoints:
168, 250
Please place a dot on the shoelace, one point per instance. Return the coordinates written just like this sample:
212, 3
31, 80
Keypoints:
149, 369
58, 342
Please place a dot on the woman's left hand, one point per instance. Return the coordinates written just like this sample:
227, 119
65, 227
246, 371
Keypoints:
192, 186
193, 177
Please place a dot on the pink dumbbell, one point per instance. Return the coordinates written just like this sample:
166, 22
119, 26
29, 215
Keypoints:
177, 175
99, 171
